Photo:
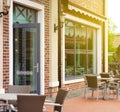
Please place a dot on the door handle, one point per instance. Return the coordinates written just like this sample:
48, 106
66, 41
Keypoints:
37, 67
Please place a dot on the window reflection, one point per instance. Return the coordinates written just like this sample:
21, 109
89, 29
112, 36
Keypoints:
79, 50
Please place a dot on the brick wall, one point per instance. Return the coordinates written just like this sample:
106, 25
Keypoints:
93, 5
96, 6
6, 46
5, 51
46, 19
74, 86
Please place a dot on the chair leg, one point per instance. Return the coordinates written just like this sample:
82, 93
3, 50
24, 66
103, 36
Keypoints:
85, 90
104, 92
108, 93
97, 94
61, 109
118, 93
92, 93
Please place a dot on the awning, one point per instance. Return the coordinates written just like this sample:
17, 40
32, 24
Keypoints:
76, 9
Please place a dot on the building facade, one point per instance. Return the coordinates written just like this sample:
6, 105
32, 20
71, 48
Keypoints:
50, 44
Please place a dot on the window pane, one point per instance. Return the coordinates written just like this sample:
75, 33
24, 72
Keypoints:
91, 34
80, 32
23, 14
80, 50
69, 49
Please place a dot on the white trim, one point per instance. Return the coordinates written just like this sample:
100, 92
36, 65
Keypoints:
1, 46
82, 21
2, 91
54, 84
41, 21
53, 43
99, 37
11, 44
30, 4
73, 81
106, 46
99, 50
40, 9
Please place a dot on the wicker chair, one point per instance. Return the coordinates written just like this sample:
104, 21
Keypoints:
14, 89
92, 84
28, 103
105, 75
111, 85
18, 89
86, 85
59, 101
114, 86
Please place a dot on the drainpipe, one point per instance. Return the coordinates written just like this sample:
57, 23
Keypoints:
59, 42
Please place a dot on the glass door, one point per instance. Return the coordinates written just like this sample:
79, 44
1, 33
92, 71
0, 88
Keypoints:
26, 55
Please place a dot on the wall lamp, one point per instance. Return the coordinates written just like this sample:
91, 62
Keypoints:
56, 27
7, 6
62, 20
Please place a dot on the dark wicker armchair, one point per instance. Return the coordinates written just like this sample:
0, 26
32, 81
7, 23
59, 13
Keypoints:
93, 84
28, 103
59, 101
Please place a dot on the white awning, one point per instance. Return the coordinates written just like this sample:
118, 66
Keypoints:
70, 7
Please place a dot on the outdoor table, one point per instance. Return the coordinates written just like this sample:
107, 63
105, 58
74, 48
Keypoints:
11, 96
110, 79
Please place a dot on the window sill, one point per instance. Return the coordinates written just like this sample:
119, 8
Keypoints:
73, 81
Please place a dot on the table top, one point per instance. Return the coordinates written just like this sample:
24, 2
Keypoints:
110, 79
12, 96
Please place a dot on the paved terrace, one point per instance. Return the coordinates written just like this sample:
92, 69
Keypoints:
77, 103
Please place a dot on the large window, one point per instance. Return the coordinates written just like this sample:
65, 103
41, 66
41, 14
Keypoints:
80, 50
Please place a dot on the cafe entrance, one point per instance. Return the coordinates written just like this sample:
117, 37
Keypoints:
26, 48
26, 55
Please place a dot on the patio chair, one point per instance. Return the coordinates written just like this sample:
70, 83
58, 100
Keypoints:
14, 89
105, 75
117, 72
59, 101
18, 89
114, 86
93, 84
28, 103
86, 85
111, 73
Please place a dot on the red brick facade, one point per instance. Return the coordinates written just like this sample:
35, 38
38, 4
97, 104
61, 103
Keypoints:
96, 6
5, 51
6, 46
